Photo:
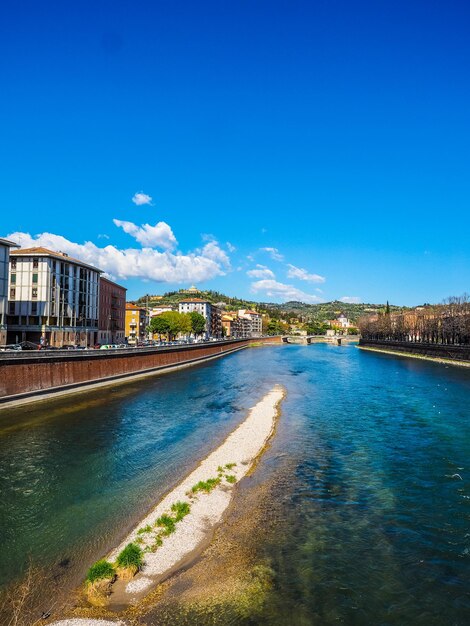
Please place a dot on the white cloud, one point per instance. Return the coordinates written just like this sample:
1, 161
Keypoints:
351, 299
140, 198
261, 271
213, 251
230, 247
158, 236
301, 274
145, 264
103, 236
274, 289
274, 253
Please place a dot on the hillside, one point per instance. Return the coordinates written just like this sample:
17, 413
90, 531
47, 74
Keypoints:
287, 310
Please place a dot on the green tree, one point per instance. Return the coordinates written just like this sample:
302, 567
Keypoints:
185, 323
174, 321
198, 323
316, 328
274, 327
159, 325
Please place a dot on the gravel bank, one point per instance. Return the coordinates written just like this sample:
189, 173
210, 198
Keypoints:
194, 531
240, 448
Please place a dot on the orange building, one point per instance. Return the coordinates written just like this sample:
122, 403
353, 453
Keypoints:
136, 322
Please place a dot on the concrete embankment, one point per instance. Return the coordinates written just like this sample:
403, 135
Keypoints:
448, 355
28, 376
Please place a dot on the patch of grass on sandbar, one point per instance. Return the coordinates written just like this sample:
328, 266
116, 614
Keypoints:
205, 485
180, 509
145, 529
130, 560
167, 522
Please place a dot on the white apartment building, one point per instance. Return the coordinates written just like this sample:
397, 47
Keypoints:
158, 310
53, 299
245, 329
256, 321
203, 307
5, 246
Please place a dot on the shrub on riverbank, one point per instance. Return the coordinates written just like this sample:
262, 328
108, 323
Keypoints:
99, 579
101, 570
129, 561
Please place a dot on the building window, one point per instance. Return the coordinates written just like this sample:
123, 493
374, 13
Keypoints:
13, 264
13, 279
34, 308
35, 279
34, 292
12, 293
11, 308
35, 263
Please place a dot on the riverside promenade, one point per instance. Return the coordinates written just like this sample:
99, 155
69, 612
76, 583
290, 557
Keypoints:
443, 353
28, 376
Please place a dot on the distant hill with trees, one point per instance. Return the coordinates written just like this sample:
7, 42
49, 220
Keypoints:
287, 311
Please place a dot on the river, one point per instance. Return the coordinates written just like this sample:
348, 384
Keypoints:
373, 526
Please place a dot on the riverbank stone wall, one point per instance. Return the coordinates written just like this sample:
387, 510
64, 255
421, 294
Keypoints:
454, 353
25, 374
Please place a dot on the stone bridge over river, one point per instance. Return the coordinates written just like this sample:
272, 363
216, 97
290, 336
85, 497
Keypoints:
308, 339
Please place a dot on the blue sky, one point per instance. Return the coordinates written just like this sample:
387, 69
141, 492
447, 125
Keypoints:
335, 134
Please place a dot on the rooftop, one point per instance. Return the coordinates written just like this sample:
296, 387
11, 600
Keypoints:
57, 255
7, 242
130, 306
111, 282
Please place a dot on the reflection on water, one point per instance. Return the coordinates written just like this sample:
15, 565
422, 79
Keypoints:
372, 524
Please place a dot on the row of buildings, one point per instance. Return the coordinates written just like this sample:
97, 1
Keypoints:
239, 324
51, 299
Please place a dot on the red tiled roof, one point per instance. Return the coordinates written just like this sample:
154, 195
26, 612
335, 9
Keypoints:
130, 306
